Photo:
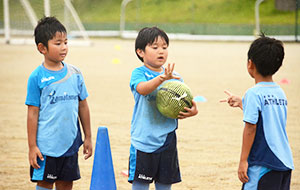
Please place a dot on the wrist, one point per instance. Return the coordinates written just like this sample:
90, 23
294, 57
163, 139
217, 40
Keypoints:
32, 146
87, 137
241, 106
243, 158
161, 78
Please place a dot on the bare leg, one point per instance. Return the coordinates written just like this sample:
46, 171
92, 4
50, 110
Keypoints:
45, 184
63, 185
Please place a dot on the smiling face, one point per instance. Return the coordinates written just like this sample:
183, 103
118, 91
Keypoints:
57, 48
155, 54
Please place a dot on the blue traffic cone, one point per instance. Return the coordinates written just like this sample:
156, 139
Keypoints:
103, 176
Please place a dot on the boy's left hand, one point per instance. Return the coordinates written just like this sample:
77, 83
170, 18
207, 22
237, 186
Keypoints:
242, 171
189, 111
87, 148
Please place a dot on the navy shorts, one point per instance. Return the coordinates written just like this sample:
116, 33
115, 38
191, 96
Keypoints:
160, 166
52, 169
274, 180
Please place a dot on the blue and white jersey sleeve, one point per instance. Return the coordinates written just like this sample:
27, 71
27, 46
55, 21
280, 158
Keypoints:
251, 107
33, 90
82, 91
137, 76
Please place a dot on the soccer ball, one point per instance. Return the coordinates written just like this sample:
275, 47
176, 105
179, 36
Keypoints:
172, 97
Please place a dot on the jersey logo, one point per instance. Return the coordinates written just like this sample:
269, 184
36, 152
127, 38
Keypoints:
271, 100
149, 75
44, 79
66, 97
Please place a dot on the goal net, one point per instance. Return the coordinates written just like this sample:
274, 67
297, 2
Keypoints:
21, 17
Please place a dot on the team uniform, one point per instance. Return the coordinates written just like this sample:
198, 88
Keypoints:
270, 158
153, 151
57, 94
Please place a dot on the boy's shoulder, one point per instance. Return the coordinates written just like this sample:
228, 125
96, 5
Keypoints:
41, 73
36, 72
140, 68
72, 68
262, 86
262, 91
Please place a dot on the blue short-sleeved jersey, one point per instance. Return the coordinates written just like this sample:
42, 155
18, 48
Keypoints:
57, 94
149, 128
265, 105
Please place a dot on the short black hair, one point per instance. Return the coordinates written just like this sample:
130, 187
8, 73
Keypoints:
148, 36
46, 30
267, 55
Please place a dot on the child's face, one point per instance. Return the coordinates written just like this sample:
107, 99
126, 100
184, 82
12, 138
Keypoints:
156, 54
57, 48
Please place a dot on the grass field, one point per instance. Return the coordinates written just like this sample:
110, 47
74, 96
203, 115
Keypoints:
182, 11
219, 17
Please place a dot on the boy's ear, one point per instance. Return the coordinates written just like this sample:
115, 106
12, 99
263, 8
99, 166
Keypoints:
41, 48
140, 53
250, 64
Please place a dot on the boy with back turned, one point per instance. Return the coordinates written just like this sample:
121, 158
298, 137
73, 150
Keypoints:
266, 159
56, 100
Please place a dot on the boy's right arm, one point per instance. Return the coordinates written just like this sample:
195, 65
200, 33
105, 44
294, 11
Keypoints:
32, 124
147, 87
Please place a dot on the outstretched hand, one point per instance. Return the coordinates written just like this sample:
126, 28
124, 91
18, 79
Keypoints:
168, 74
232, 100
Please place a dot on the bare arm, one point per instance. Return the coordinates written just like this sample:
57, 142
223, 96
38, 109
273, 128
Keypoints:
248, 139
32, 125
84, 115
147, 87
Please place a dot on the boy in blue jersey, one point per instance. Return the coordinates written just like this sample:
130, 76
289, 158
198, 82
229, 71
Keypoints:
56, 100
266, 159
153, 151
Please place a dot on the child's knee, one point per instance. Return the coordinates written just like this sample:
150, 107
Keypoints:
44, 185
64, 185
140, 186
41, 188
161, 186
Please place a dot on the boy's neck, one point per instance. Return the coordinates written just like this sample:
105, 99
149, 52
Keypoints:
160, 69
260, 78
53, 66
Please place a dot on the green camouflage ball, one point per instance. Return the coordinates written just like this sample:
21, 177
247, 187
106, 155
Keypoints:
172, 97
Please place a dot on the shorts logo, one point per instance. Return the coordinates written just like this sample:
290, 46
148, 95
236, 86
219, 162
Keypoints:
142, 176
51, 176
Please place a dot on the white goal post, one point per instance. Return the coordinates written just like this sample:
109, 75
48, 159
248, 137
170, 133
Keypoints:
21, 17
